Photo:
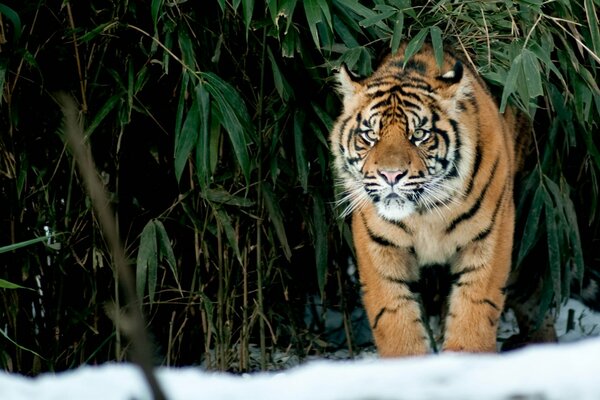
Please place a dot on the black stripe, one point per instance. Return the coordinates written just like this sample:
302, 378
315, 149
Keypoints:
456, 276
402, 226
473, 210
491, 304
475, 171
485, 233
380, 314
380, 240
412, 286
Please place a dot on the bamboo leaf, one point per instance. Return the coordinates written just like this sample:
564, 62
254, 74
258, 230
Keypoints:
155, 7
313, 17
165, 251
320, 230
377, 18
203, 149
187, 139
593, 25
511, 82
3, 333
232, 238
15, 246
222, 196
108, 106
326, 13
234, 118
276, 217
286, 10
147, 262
248, 8
301, 163
532, 224
4, 284
281, 85
397, 34
414, 45
531, 71
553, 243
438, 45
14, 18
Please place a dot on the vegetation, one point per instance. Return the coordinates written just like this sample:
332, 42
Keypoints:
208, 122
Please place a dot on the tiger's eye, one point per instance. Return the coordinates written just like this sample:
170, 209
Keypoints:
420, 134
368, 136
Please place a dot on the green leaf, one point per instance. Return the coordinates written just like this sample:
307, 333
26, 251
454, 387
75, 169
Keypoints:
301, 163
326, 12
531, 71
110, 104
3, 333
147, 262
13, 17
165, 251
377, 18
325, 119
222, 196
9, 285
438, 45
553, 243
281, 85
234, 118
232, 238
511, 82
203, 149
414, 45
96, 31
155, 7
397, 32
313, 17
320, 230
187, 139
248, 8
593, 25
532, 224
286, 10
188, 56
276, 217
15, 246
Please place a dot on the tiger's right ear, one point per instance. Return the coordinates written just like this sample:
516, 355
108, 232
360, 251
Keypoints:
348, 83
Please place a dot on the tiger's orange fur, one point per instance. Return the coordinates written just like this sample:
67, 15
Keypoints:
427, 163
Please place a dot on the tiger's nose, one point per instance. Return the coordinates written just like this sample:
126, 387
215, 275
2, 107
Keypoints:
392, 177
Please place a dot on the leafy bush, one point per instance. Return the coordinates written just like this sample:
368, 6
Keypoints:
209, 122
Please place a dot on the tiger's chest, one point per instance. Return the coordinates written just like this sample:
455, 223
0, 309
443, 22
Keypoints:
425, 236
432, 245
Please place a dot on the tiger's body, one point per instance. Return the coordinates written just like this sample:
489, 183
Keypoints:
428, 164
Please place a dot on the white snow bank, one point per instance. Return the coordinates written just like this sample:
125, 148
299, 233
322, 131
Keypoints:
549, 372
569, 371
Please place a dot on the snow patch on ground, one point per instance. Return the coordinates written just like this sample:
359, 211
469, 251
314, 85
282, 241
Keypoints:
550, 372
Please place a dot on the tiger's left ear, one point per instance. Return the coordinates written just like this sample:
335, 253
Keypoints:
348, 84
454, 75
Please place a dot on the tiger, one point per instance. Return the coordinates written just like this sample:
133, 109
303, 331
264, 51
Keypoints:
427, 165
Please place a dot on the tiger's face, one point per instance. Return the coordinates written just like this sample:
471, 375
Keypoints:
397, 143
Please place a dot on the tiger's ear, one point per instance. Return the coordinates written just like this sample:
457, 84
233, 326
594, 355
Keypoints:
454, 75
348, 84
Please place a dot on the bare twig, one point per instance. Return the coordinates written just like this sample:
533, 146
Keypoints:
142, 349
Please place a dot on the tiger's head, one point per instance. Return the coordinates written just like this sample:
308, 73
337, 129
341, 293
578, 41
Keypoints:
400, 142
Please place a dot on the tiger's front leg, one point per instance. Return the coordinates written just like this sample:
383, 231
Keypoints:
389, 276
477, 297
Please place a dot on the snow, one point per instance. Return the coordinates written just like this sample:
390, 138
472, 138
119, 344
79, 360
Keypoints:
566, 371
